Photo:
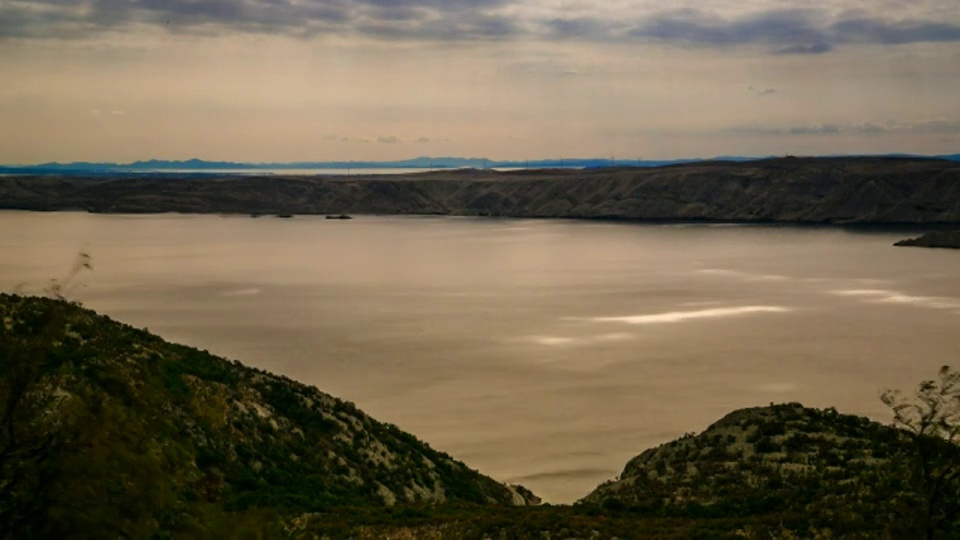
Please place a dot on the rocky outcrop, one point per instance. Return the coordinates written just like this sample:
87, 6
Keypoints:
936, 239
803, 190
820, 466
749, 448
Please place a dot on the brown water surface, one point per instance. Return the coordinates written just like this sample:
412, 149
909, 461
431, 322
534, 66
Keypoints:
541, 352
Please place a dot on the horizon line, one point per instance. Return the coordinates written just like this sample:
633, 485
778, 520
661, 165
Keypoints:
490, 161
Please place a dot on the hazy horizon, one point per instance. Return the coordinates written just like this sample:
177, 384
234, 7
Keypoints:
338, 80
334, 164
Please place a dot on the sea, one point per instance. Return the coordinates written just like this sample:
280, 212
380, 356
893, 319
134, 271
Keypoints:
540, 352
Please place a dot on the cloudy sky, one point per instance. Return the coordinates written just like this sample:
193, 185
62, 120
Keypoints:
279, 80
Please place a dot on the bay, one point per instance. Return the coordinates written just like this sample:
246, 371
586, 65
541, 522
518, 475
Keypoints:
544, 352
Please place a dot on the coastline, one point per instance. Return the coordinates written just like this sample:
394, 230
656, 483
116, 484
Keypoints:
815, 191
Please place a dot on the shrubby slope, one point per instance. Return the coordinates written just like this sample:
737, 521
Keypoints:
137, 434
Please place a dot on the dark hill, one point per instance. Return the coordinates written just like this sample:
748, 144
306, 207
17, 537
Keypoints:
113, 430
808, 190
819, 470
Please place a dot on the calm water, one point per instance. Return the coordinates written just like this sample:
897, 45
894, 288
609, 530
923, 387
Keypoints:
541, 352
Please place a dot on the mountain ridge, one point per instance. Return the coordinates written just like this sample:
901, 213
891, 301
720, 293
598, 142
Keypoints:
790, 190
440, 162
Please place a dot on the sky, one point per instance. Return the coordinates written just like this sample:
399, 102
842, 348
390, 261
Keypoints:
319, 80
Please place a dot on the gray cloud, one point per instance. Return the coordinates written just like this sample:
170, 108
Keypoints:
821, 129
581, 28
870, 30
869, 127
794, 31
927, 126
937, 126
409, 19
813, 48
864, 128
387, 139
782, 29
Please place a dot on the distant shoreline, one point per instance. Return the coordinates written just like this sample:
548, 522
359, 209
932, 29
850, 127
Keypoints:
433, 163
826, 191
199, 173
866, 227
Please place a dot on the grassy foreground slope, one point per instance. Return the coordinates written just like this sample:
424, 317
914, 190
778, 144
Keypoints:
109, 427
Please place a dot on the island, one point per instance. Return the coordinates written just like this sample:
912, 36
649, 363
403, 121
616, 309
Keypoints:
840, 190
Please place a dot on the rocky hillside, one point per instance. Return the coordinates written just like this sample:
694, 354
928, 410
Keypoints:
935, 239
110, 428
810, 190
781, 471
818, 469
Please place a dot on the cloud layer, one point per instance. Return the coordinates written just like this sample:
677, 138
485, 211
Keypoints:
862, 128
775, 30
295, 80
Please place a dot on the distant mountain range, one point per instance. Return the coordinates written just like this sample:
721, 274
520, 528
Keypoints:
811, 190
423, 162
